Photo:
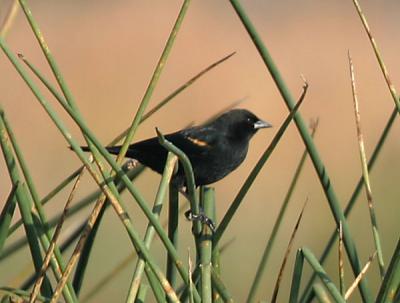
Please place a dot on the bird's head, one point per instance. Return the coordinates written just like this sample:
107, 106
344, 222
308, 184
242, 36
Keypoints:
241, 124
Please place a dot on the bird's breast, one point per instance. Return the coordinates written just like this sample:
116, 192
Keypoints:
218, 162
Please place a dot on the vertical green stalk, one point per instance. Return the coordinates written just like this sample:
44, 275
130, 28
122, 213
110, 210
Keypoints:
108, 191
190, 182
154, 80
173, 232
158, 203
220, 287
149, 91
190, 187
6, 215
81, 267
85, 254
205, 244
321, 294
361, 276
143, 290
53, 243
378, 56
24, 205
341, 261
46, 51
158, 291
307, 295
296, 277
305, 253
56, 71
132, 174
70, 98
264, 259
286, 256
255, 171
67, 93
191, 284
63, 247
316, 266
57, 262
390, 287
365, 173
312, 150
216, 257
17, 295
153, 110
252, 176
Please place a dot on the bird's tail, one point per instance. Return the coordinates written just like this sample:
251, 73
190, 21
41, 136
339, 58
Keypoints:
111, 149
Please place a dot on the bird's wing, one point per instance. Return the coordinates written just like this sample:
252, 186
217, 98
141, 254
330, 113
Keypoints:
195, 140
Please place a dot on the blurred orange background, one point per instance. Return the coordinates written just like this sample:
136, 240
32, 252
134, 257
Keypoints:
107, 51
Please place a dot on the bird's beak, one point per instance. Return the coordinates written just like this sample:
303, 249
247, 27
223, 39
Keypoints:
261, 124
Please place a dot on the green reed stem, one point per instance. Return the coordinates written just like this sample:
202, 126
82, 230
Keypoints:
142, 294
254, 173
305, 253
158, 291
190, 182
365, 172
252, 176
6, 215
57, 262
205, 244
110, 193
61, 82
296, 277
149, 90
176, 92
307, 295
150, 232
173, 232
154, 80
390, 287
264, 259
132, 174
22, 294
321, 294
326, 183
378, 56
24, 204
220, 287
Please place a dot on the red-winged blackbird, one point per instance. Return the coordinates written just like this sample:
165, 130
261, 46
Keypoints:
214, 149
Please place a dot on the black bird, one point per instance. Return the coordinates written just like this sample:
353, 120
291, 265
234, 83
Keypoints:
215, 149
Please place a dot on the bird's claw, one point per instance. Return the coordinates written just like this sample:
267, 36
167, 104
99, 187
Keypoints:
132, 163
200, 217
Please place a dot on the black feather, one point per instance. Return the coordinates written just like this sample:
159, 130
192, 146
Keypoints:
214, 149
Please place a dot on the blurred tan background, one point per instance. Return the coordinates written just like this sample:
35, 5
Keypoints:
107, 51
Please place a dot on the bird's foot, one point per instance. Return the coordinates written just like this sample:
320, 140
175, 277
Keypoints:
132, 163
200, 217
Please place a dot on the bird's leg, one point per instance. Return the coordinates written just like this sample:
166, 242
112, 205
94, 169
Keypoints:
200, 217
197, 217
